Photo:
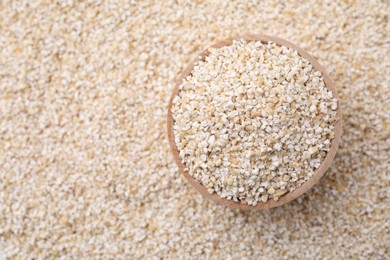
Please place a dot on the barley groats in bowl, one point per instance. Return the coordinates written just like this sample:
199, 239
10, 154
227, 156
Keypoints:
254, 122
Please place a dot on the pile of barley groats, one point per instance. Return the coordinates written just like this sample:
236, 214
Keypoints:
86, 169
253, 121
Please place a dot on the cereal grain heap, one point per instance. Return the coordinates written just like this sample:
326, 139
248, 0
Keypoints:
253, 121
85, 166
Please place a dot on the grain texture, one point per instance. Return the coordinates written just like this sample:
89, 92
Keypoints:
85, 165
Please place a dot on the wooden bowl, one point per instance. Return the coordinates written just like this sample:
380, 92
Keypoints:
288, 196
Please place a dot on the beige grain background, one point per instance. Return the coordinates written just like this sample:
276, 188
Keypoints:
85, 166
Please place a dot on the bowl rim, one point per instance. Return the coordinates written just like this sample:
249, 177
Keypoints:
307, 185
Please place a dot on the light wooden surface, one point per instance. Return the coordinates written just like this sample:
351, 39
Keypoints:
288, 196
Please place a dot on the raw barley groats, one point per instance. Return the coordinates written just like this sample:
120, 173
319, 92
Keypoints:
253, 121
